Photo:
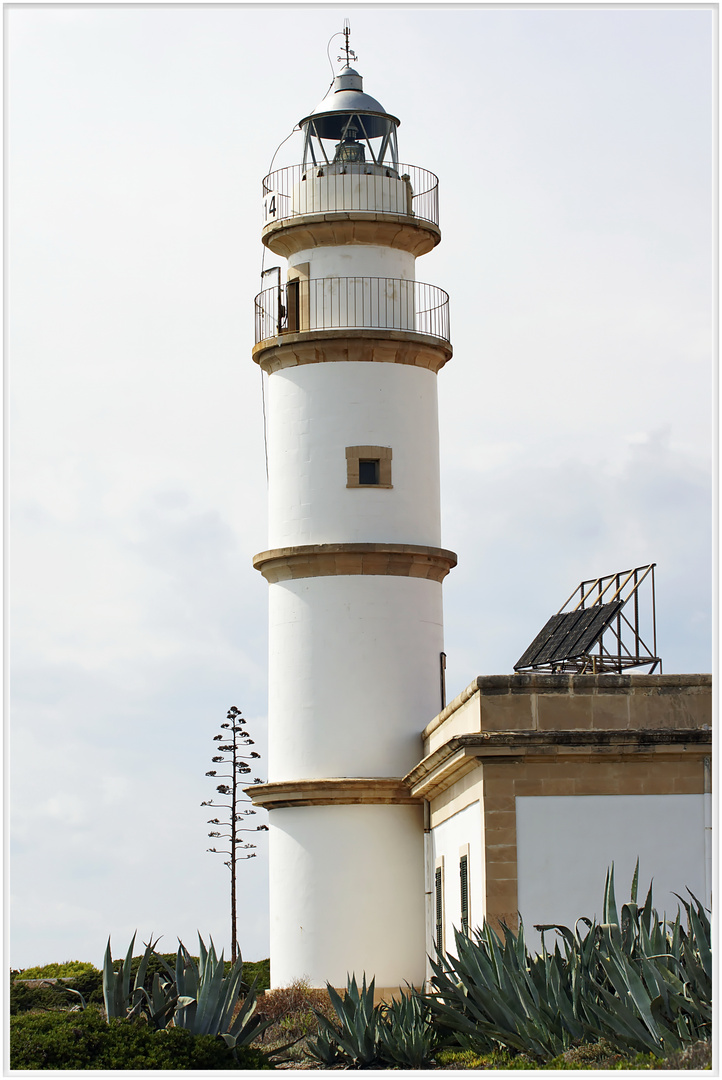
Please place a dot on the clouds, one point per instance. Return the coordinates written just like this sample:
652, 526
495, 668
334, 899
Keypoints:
131, 641
574, 159
535, 529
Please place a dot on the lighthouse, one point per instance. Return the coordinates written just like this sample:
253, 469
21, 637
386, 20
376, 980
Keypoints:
351, 344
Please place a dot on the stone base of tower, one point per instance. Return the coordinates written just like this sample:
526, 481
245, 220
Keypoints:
347, 894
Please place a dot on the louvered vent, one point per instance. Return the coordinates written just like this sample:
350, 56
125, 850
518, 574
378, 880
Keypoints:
464, 884
439, 911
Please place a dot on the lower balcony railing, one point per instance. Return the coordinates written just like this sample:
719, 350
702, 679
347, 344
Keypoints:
340, 303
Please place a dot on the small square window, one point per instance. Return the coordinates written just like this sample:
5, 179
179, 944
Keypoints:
368, 471
368, 466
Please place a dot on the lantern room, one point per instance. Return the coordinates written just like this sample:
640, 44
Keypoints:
350, 129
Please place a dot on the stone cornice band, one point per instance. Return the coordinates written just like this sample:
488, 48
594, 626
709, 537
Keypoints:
328, 229
461, 754
363, 345
330, 560
335, 791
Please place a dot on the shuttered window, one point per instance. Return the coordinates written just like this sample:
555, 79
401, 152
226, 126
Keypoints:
439, 910
464, 886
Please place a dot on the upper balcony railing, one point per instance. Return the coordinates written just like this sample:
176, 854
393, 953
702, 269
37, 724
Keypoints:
337, 303
364, 188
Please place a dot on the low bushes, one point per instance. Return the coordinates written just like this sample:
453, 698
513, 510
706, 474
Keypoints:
86, 980
69, 969
173, 1012
292, 1012
83, 1040
595, 1057
260, 970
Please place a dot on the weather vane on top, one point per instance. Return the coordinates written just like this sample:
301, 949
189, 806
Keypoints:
350, 54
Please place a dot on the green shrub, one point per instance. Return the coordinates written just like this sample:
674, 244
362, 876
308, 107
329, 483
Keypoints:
468, 1059
594, 1057
696, 1056
58, 971
85, 1041
24, 998
90, 985
88, 982
260, 970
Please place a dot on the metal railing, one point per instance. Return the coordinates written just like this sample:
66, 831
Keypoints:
335, 303
365, 188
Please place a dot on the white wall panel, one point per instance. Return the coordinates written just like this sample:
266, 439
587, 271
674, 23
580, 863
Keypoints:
353, 674
329, 191
458, 830
347, 894
356, 260
565, 844
315, 412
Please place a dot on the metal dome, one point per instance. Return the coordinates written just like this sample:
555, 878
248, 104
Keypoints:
346, 97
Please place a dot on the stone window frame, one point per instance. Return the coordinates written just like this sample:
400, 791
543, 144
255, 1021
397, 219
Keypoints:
355, 454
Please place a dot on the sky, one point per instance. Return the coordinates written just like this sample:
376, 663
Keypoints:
574, 150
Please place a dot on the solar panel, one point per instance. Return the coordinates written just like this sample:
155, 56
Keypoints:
566, 642
569, 635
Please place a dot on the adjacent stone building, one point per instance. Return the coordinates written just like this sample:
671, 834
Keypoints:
535, 783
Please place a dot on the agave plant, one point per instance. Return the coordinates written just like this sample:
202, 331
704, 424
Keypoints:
122, 1001
207, 998
650, 979
194, 996
354, 1040
494, 994
325, 1050
408, 1038
634, 979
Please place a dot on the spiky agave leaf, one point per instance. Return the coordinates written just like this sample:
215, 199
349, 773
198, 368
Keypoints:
186, 977
116, 984
325, 1049
247, 1025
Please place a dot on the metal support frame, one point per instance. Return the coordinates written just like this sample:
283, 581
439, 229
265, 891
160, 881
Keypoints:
616, 644
387, 143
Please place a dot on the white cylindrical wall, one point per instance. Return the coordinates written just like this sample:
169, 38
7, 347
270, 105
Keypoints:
347, 894
315, 412
353, 675
355, 260
323, 190
332, 303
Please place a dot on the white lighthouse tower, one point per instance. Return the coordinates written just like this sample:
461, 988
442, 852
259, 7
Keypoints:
352, 344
